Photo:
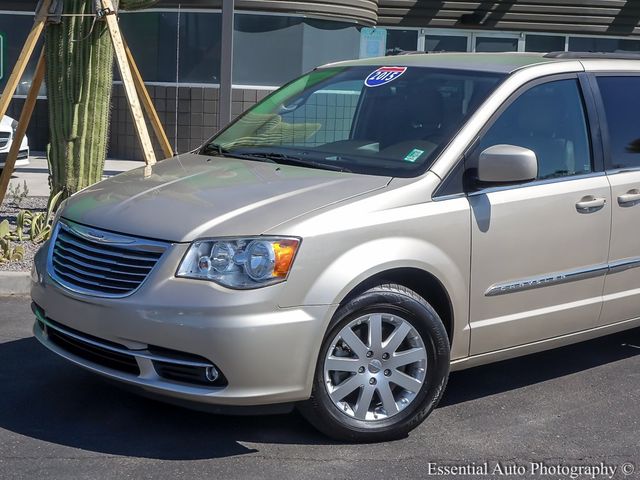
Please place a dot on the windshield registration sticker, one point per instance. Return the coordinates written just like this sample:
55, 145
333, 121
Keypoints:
383, 75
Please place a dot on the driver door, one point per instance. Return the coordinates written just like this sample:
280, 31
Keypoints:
539, 249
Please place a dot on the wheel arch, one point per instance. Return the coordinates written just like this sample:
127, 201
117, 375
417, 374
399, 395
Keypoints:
424, 283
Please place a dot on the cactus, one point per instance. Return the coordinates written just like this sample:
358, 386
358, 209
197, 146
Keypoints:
79, 58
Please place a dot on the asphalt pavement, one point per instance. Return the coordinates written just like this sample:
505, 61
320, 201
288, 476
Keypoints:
573, 407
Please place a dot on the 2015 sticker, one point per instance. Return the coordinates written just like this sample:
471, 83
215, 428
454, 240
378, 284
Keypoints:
383, 75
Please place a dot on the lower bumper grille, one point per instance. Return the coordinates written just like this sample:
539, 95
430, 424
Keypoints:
168, 364
22, 155
93, 353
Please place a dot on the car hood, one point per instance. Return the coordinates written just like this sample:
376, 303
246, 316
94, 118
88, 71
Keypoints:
6, 124
194, 196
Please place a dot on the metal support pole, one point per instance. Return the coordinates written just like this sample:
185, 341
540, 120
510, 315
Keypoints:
226, 64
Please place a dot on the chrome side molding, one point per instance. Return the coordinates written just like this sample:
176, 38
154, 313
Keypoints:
558, 278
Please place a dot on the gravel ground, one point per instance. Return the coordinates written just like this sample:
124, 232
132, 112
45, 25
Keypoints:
9, 210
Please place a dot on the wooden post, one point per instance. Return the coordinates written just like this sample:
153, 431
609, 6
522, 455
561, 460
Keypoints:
23, 123
147, 103
25, 56
129, 85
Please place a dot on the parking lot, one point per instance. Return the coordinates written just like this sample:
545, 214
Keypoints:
574, 406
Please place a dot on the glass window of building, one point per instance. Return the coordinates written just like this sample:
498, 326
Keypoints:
445, 43
496, 44
272, 50
267, 49
595, 44
544, 43
14, 30
399, 41
159, 29
326, 41
199, 51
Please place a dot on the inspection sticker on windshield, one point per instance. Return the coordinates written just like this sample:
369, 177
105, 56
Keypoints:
413, 155
383, 75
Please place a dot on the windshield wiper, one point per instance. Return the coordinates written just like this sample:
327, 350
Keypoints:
219, 150
285, 159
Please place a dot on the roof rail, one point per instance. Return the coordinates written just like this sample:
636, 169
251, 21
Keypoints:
589, 55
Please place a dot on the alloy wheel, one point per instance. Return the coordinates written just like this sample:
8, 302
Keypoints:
375, 366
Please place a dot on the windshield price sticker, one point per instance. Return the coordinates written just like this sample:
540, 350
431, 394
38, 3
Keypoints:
384, 75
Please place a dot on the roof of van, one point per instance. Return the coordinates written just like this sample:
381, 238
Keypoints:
484, 62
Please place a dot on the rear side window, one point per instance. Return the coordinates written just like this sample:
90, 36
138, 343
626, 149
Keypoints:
550, 120
621, 98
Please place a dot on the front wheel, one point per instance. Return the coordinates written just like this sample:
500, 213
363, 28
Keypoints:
382, 369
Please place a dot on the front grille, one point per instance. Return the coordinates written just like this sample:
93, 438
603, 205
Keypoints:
91, 352
4, 139
100, 263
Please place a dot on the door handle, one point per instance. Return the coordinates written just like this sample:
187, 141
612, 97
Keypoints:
629, 199
590, 204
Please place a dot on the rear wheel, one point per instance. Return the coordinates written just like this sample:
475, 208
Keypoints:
382, 367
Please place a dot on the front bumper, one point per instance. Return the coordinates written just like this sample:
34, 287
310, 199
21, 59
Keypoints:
22, 160
267, 354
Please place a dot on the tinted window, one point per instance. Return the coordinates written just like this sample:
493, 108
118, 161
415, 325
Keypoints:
544, 43
548, 119
445, 43
272, 50
595, 44
496, 44
14, 30
621, 97
401, 41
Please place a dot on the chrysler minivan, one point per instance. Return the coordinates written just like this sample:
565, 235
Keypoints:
358, 234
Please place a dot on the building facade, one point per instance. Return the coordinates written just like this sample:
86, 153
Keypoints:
178, 47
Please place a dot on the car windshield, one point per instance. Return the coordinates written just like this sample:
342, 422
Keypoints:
377, 120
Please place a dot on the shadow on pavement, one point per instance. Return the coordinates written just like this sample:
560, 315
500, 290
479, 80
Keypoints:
44, 397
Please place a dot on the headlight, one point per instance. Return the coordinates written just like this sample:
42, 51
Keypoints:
240, 263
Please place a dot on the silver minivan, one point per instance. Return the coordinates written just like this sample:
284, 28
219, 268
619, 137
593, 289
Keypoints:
358, 234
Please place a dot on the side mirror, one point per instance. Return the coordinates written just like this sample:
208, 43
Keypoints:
507, 164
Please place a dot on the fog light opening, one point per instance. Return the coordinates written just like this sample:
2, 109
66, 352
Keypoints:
211, 373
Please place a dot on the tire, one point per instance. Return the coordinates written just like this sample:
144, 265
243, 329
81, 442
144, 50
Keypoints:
367, 413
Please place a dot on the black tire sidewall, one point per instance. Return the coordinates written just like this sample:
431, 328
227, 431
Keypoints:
320, 409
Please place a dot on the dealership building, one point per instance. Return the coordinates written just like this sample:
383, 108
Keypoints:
179, 47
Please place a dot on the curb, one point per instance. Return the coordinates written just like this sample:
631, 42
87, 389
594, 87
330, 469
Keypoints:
15, 283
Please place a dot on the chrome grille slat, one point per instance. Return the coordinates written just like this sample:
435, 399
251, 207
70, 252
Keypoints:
100, 263
70, 257
80, 280
67, 239
4, 139
97, 276
105, 261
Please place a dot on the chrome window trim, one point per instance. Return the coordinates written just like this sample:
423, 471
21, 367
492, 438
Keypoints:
558, 278
124, 351
536, 183
110, 238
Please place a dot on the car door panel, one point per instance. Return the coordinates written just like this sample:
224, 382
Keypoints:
538, 265
540, 249
618, 98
